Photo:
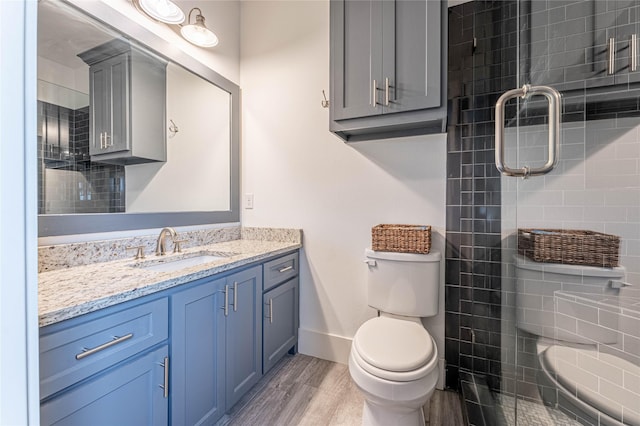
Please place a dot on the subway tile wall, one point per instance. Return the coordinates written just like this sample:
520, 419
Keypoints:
68, 182
478, 73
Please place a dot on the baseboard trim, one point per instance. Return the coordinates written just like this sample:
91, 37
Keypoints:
324, 345
336, 348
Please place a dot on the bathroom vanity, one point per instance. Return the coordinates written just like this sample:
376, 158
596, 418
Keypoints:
124, 343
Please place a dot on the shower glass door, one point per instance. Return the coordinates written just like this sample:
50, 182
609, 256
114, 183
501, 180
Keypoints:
570, 234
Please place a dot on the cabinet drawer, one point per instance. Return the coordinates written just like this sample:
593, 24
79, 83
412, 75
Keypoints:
70, 354
279, 270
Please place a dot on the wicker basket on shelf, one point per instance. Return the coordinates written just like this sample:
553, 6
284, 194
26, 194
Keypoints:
573, 247
401, 238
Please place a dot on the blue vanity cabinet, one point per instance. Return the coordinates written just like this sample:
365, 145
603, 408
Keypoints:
280, 309
198, 354
130, 394
216, 345
388, 68
243, 333
106, 367
280, 326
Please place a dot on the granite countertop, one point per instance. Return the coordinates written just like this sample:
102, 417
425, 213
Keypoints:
67, 293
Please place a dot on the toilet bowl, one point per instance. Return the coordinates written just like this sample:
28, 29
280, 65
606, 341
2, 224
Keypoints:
394, 362
394, 359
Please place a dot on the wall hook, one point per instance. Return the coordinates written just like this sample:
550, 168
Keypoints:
325, 103
173, 129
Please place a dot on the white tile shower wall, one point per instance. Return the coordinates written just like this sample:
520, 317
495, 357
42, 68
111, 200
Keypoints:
595, 186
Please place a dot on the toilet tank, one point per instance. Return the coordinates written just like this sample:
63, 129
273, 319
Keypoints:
561, 301
404, 283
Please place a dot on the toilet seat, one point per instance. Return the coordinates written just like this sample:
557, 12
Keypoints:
394, 349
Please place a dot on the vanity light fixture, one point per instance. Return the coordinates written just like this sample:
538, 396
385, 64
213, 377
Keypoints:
162, 10
197, 33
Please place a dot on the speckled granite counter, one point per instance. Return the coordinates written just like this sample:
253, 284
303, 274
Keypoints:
70, 292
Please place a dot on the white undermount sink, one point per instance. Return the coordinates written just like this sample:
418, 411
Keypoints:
175, 264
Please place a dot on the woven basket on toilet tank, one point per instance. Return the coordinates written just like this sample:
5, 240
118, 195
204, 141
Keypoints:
401, 238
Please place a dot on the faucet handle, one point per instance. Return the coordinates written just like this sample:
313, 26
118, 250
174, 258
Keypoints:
139, 251
177, 248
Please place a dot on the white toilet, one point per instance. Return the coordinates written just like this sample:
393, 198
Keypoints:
394, 360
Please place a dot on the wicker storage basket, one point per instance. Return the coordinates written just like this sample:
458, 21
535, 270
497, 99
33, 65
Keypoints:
574, 247
401, 238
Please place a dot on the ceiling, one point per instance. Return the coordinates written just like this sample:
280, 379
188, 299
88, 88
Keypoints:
63, 33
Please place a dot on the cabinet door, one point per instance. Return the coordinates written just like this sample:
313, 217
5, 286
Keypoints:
411, 55
118, 137
356, 55
280, 323
244, 337
100, 95
197, 354
109, 87
131, 394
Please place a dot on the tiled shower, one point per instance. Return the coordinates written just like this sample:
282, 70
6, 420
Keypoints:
495, 46
68, 181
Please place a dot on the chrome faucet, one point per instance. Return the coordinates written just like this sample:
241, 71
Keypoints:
160, 246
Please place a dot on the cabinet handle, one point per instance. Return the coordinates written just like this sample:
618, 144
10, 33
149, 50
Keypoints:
611, 68
101, 140
386, 91
235, 296
271, 311
226, 301
165, 385
374, 94
633, 52
86, 352
107, 140
285, 269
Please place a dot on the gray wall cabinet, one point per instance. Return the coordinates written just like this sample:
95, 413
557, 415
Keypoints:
127, 92
388, 75
183, 356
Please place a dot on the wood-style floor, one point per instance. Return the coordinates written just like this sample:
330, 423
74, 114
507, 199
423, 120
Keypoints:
303, 390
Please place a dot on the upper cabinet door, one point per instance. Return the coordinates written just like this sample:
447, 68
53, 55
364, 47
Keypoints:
411, 55
357, 57
386, 68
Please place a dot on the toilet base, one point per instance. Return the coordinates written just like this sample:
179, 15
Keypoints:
376, 415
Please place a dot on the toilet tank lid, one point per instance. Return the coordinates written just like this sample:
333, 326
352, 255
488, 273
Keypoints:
433, 256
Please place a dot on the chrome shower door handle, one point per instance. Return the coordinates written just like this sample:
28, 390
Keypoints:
554, 99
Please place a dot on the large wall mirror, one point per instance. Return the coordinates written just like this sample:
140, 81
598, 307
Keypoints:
178, 125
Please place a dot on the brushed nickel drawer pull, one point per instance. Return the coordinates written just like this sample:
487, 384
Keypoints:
271, 311
611, 66
386, 91
225, 308
633, 52
165, 385
285, 269
86, 352
235, 296
374, 94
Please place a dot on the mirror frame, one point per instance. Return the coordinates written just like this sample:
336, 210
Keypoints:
71, 224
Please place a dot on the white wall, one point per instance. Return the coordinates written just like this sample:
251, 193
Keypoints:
19, 402
303, 176
196, 175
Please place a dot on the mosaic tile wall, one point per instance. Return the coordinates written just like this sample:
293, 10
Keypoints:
68, 182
